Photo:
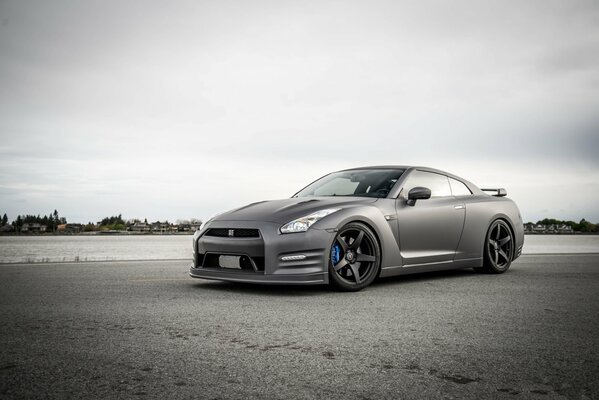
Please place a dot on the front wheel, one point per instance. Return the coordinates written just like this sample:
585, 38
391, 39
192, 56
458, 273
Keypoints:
499, 248
355, 258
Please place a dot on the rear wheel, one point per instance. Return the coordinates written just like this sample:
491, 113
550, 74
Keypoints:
355, 258
499, 248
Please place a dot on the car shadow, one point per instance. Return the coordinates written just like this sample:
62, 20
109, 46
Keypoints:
314, 290
262, 289
424, 276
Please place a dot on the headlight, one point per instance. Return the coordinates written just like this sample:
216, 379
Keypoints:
302, 224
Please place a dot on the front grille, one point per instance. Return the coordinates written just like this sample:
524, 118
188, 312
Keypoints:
231, 232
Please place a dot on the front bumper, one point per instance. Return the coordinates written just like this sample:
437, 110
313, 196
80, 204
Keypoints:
268, 251
306, 279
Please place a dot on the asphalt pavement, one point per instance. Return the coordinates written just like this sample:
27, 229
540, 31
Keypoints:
147, 330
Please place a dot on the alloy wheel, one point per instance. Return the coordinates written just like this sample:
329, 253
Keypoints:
500, 245
354, 255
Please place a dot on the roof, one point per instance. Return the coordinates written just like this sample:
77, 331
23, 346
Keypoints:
380, 167
406, 167
470, 185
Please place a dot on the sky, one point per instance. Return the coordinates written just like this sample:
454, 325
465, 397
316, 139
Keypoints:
177, 110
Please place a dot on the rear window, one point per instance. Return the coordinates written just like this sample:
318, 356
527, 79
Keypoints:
459, 188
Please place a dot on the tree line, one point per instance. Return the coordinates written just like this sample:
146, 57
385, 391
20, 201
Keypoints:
582, 226
114, 223
50, 221
117, 223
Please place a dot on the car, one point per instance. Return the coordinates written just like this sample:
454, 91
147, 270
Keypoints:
352, 226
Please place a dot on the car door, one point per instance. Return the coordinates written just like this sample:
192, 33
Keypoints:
430, 230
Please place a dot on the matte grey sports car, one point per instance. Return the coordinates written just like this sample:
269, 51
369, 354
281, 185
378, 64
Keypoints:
349, 227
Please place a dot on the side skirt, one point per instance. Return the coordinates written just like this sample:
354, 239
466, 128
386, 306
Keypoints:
439, 266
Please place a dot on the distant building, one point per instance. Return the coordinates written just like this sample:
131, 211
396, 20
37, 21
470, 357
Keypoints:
539, 228
33, 228
565, 229
184, 228
160, 227
189, 225
547, 229
529, 227
140, 227
69, 228
6, 228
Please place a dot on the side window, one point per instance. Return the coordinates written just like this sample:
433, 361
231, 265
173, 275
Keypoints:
458, 188
437, 183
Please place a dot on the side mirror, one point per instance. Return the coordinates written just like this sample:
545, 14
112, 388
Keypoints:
418, 193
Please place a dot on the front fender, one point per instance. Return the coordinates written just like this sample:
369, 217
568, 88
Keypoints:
374, 217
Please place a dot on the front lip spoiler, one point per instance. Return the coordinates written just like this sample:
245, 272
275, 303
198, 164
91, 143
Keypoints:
319, 278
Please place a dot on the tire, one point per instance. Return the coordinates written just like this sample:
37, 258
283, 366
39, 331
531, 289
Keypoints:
354, 258
498, 251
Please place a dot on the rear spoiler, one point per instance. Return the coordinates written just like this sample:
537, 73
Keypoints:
500, 192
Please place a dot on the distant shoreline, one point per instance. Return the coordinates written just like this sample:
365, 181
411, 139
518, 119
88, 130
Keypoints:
562, 234
189, 233
105, 233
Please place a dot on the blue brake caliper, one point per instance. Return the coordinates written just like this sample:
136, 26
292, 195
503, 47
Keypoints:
335, 253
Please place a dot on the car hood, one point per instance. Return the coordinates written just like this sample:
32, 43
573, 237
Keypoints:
283, 211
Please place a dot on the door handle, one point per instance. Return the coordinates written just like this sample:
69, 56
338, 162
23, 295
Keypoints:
459, 207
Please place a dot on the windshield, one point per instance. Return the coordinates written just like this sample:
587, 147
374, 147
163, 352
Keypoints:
357, 182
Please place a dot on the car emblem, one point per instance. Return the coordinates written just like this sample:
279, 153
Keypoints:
231, 232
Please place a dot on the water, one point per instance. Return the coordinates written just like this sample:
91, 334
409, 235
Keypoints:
155, 247
94, 248
555, 244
